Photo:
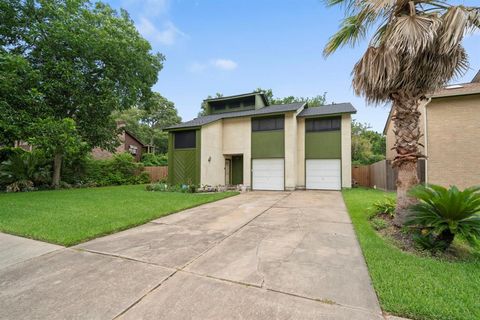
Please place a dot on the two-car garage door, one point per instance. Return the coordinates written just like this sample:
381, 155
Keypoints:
322, 174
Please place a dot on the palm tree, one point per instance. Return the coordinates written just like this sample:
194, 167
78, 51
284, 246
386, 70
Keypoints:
415, 50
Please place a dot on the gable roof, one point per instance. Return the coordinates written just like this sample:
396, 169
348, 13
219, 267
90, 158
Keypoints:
328, 109
134, 137
273, 109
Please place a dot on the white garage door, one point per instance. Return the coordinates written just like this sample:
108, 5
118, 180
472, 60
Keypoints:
267, 174
323, 174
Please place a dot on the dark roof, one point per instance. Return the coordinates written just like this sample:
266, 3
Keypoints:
328, 109
243, 95
134, 137
457, 90
279, 108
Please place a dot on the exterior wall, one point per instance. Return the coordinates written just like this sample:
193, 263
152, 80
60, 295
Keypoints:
212, 159
237, 140
323, 145
301, 153
453, 129
290, 135
346, 132
268, 144
130, 141
184, 164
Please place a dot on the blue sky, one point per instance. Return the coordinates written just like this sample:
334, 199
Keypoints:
235, 46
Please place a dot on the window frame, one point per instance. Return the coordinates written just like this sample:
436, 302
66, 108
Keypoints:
175, 147
314, 128
278, 120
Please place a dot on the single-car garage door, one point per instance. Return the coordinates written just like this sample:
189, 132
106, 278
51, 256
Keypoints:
268, 174
323, 174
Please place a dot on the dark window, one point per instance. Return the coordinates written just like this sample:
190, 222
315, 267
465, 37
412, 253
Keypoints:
185, 139
219, 107
323, 124
267, 124
234, 105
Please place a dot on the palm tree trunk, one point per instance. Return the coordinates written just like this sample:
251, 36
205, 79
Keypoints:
406, 121
57, 167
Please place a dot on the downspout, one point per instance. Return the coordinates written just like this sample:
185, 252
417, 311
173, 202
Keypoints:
426, 139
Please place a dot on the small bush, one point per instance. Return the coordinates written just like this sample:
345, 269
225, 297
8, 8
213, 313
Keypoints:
24, 171
447, 213
384, 207
379, 224
428, 242
151, 159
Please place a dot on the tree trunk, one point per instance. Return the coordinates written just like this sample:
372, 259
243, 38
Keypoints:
407, 131
57, 168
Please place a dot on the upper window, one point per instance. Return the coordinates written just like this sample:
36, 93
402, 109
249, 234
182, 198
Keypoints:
219, 107
185, 139
323, 124
267, 124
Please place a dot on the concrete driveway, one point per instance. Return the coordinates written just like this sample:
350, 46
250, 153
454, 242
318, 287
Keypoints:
259, 255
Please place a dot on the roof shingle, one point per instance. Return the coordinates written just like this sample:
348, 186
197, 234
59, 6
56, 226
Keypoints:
328, 109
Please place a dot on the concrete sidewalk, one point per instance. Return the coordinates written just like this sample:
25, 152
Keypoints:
259, 255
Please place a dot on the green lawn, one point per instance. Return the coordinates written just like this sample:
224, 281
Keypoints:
410, 285
68, 217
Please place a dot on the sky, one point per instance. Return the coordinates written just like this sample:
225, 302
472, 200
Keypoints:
236, 46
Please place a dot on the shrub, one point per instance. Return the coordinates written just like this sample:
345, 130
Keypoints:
379, 224
385, 206
24, 171
163, 187
151, 159
446, 213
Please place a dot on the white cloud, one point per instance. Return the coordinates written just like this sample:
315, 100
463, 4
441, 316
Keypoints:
220, 64
167, 36
197, 67
224, 64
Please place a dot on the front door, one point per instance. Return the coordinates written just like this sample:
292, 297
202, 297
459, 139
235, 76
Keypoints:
237, 170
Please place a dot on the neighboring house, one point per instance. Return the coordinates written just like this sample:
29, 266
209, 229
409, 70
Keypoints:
128, 143
450, 124
244, 141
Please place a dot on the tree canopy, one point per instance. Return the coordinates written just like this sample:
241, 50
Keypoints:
71, 59
368, 146
147, 122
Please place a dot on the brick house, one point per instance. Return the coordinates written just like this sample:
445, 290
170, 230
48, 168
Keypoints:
450, 124
128, 143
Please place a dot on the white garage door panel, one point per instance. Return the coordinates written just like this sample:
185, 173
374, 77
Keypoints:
323, 174
268, 174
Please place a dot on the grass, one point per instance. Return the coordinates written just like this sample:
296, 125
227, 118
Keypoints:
68, 217
409, 285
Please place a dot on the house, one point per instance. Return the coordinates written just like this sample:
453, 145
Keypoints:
245, 141
450, 124
128, 143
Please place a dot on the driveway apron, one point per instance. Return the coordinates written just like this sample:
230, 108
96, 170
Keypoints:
259, 255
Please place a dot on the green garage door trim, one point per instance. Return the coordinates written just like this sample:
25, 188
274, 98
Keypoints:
184, 164
323, 145
268, 144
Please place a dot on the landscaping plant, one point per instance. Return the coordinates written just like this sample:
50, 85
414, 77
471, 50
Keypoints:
445, 213
415, 50
23, 172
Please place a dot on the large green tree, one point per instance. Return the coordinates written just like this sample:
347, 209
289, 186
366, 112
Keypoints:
81, 61
148, 122
368, 146
416, 49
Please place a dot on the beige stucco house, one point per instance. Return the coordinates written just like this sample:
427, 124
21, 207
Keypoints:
450, 123
245, 141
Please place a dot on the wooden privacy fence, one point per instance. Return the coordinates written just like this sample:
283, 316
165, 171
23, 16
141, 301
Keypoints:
381, 175
157, 173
